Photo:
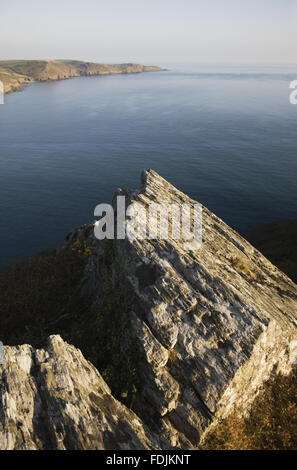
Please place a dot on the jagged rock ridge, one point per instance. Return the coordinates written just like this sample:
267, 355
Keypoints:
53, 398
210, 325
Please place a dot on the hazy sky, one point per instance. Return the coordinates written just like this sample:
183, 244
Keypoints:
150, 31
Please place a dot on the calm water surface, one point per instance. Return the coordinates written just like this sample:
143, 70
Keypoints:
227, 139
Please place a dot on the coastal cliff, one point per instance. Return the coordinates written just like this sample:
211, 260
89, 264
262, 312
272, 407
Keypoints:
15, 74
183, 338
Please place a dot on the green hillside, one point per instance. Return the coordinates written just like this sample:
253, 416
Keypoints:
16, 73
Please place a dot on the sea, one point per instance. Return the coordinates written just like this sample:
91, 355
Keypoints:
226, 135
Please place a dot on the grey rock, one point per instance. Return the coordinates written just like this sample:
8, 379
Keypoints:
211, 325
53, 398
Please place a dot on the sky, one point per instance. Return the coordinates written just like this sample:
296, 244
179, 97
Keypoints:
150, 31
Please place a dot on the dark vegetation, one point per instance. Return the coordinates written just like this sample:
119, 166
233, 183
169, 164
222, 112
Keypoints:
278, 242
41, 296
113, 348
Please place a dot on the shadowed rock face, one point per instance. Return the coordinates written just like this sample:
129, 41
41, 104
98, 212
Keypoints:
210, 325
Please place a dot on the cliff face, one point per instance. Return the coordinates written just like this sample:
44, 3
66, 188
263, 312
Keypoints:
15, 74
207, 328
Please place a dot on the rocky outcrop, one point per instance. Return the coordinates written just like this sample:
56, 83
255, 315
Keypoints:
53, 398
15, 74
212, 324
209, 324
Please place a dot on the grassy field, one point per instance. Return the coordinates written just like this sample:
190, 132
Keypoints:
12, 80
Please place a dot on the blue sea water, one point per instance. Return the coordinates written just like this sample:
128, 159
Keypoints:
226, 137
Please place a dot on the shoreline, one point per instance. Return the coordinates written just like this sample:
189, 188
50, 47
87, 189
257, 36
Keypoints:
15, 75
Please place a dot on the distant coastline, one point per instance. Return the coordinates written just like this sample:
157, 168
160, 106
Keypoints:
15, 74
